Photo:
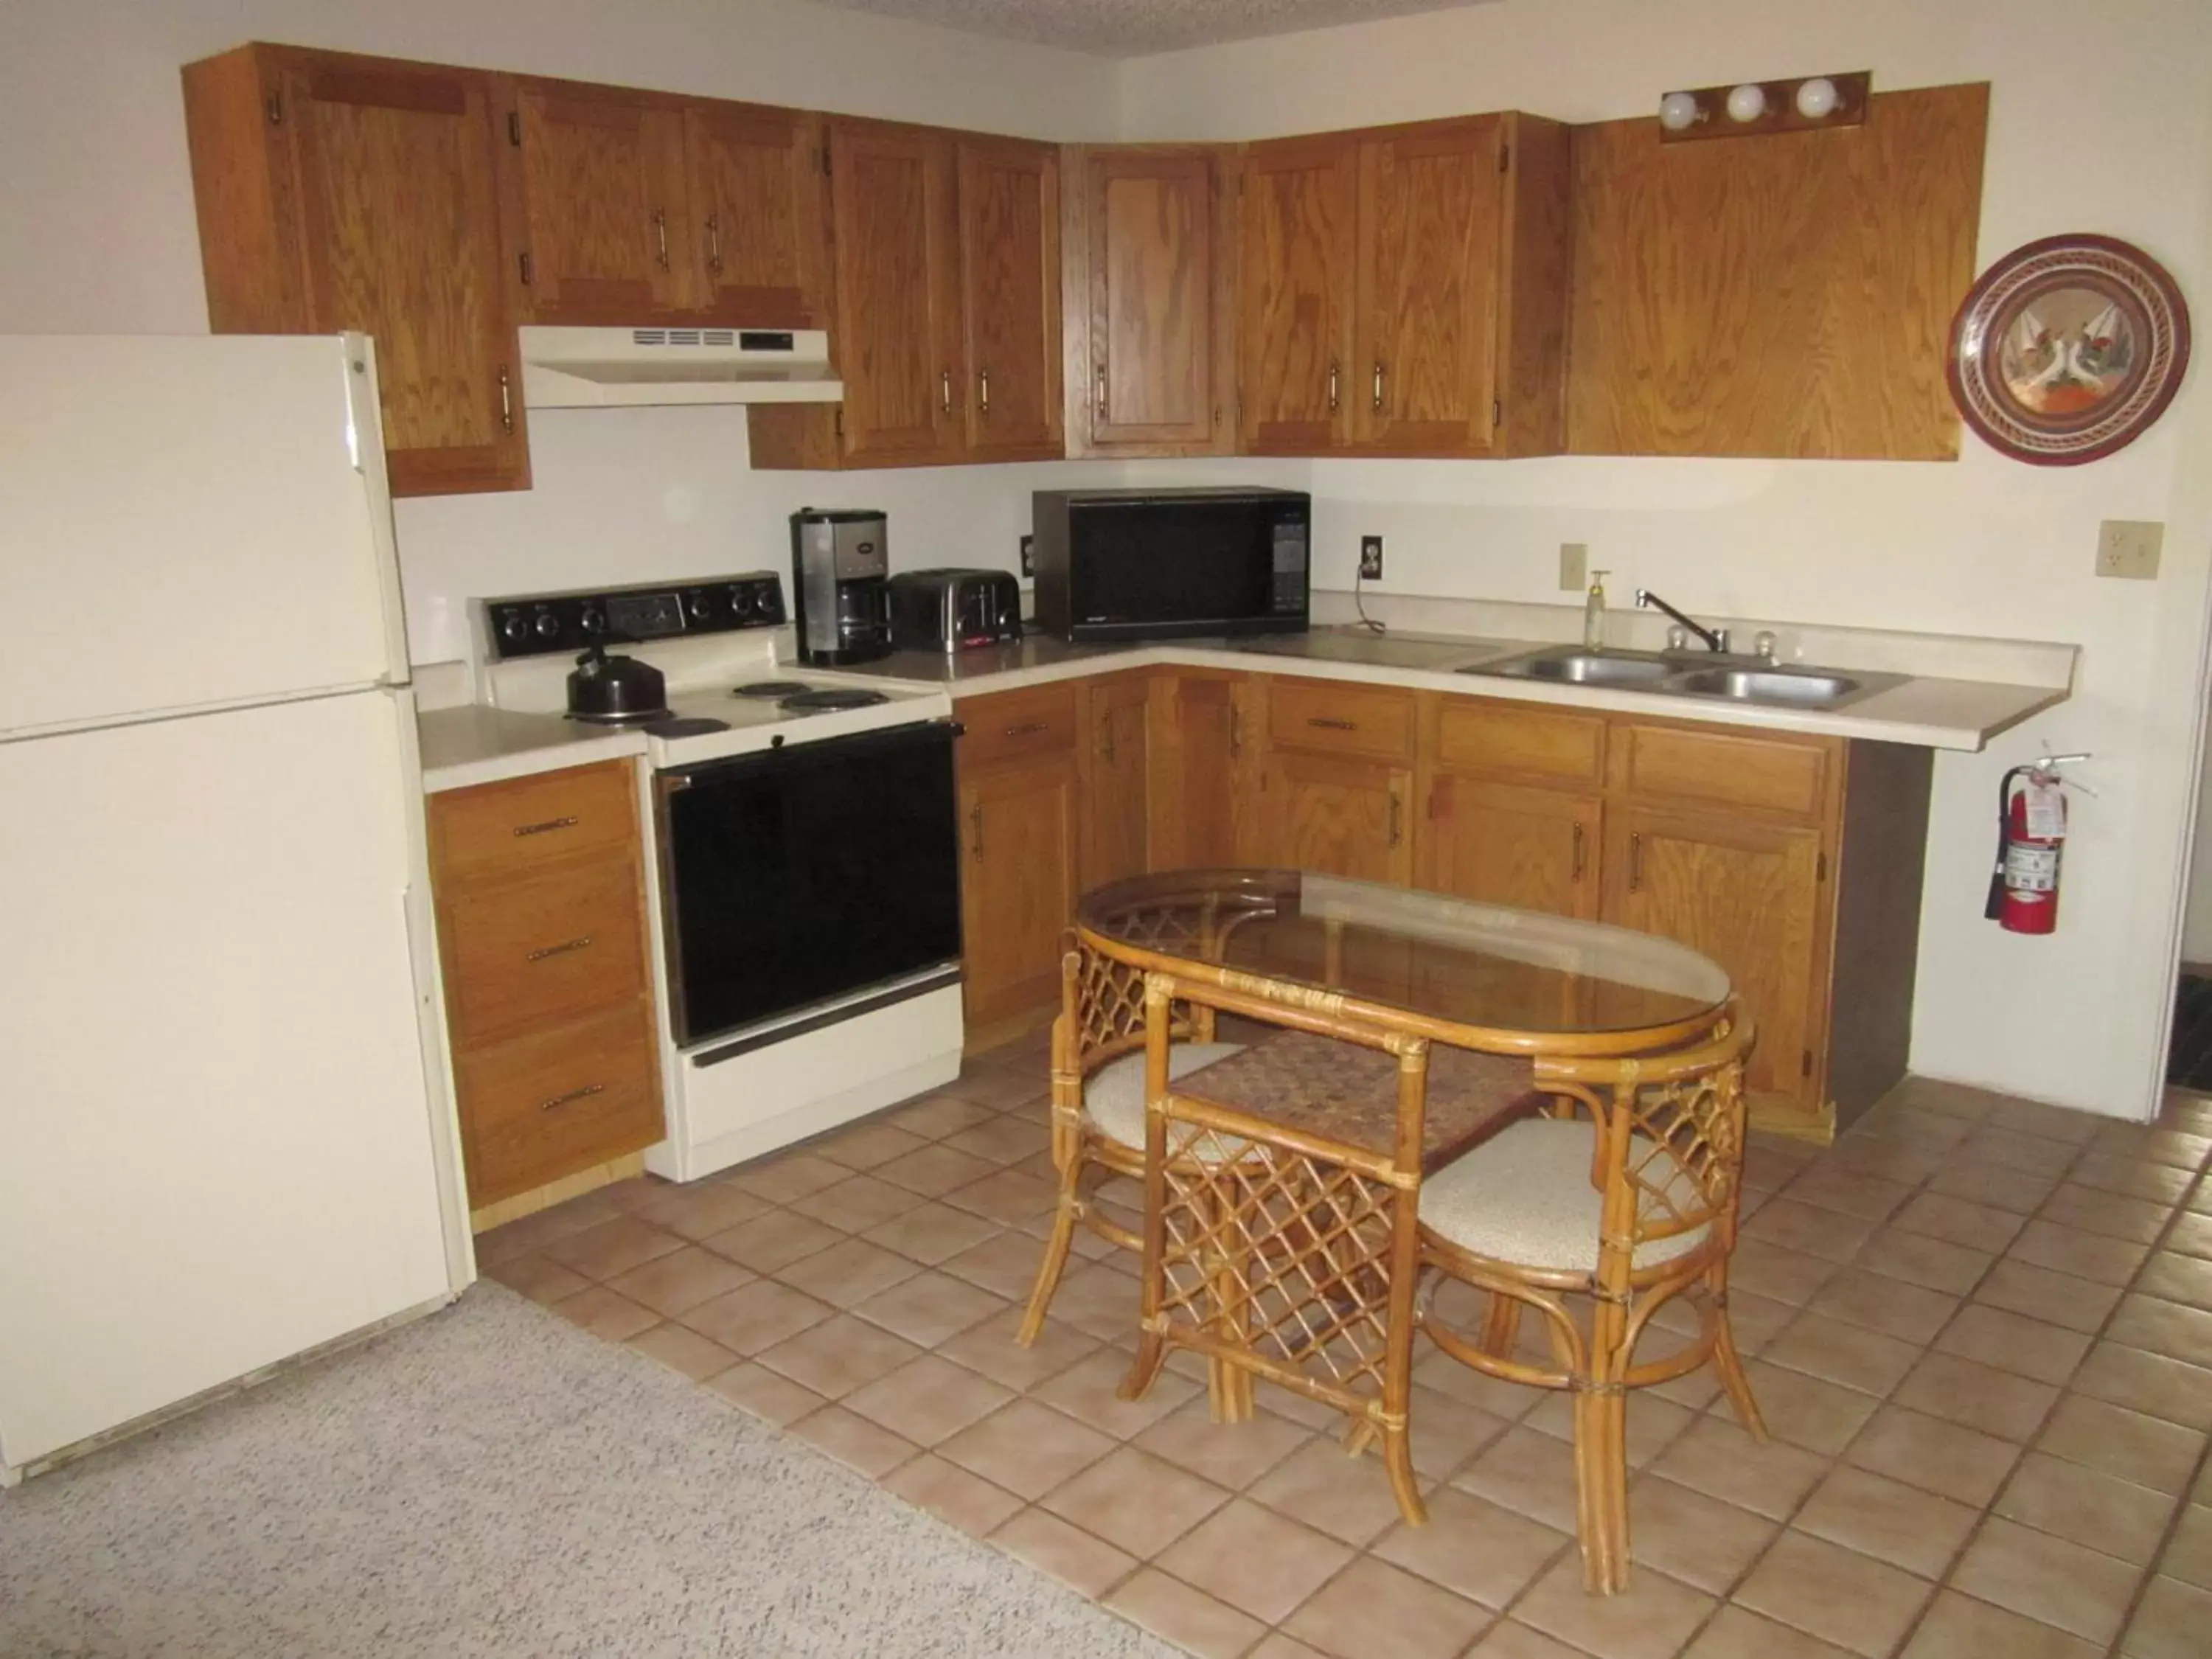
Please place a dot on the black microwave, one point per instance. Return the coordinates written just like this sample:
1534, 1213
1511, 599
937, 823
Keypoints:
1162, 564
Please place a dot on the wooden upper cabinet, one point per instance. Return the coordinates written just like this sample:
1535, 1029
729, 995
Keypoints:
1010, 297
343, 192
758, 222
1151, 354
1297, 244
608, 219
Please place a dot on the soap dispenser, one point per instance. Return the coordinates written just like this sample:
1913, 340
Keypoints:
1594, 614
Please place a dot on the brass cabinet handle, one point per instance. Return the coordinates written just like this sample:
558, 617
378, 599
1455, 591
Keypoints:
945, 390
506, 401
1332, 378
713, 243
983, 392
1397, 819
572, 1097
1236, 730
660, 235
1378, 387
1027, 729
561, 949
1332, 725
541, 829
975, 825
1101, 390
1578, 854
1636, 862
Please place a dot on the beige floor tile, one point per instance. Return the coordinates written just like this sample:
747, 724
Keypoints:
2174, 1622
2108, 1213
672, 1283
1028, 1448
764, 1394
756, 1316
1231, 1455
2047, 1578
1473, 1548
934, 1116
931, 1233
1720, 1460
1088, 1391
1507, 1639
2183, 1279
1735, 1633
2007, 1149
853, 1441
536, 1231
1004, 1140
1684, 1535
1653, 1423
1137, 1502
535, 1275
2029, 1117
866, 1145
789, 1178
605, 1314
2191, 1234
2154, 1183
2151, 1141
1921, 1259
1946, 1458
1255, 1560
1529, 1472
1192, 1620
1371, 1610
1826, 1186
1838, 1352
1447, 1432
2086, 1506
1782, 1275
2162, 1326
931, 1307
2085, 1254
1808, 1230
837, 1356
1912, 1313
1889, 1160
2010, 1407
1005, 1086
2080, 1304
774, 1241
612, 1247
1960, 1627
1089, 1566
1959, 1221
1886, 1519
952, 1494
1651, 1621
2151, 1383
1821, 1416
2014, 1342
992, 1349
1323, 1488
703, 1209
2189, 1553
2147, 1450
683, 1351
1010, 1195
1006, 1264
1994, 1185
1835, 1594
1276, 1645
928, 1399
856, 1205
934, 1171
848, 1273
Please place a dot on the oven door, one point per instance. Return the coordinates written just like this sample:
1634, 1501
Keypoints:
807, 875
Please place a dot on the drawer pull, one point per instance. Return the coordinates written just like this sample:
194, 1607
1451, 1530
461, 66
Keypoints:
572, 1097
1397, 820
561, 949
1636, 862
1332, 725
660, 236
1578, 854
541, 829
1027, 729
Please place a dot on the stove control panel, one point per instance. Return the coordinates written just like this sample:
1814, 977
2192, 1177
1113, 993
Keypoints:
539, 624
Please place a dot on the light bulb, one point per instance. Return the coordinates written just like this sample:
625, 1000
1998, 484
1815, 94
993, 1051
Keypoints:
1678, 112
1817, 99
1746, 102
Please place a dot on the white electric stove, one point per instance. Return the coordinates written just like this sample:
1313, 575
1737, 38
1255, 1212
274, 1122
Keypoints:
804, 880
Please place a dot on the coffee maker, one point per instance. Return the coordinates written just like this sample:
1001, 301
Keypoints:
841, 576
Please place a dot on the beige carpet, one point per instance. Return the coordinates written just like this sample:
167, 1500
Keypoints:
494, 1481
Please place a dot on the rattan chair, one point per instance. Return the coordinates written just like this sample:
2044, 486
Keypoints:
1626, 1196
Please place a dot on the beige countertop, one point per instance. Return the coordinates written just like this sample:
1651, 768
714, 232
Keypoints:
476, 743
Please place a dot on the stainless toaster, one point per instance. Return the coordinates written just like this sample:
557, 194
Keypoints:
949, 609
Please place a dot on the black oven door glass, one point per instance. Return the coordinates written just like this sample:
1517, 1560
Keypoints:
1159, 562
804, 873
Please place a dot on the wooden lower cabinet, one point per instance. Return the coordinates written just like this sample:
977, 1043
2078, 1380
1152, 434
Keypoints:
1341, 817
1115, 763
1205, 773
1506, 843
1018, 882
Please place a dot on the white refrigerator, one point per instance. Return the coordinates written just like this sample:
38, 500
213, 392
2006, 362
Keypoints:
225, 1136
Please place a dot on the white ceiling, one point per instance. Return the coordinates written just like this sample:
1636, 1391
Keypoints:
1131, 28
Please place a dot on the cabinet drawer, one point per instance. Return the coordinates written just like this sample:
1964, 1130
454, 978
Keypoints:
1513, 740
539, 1107
497, 829
1340, 719
560, 945
1018, 725
1719, 766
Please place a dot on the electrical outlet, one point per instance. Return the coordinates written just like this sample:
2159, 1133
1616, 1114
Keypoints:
1029, 556
1370, 558
1574, 567
2130, 547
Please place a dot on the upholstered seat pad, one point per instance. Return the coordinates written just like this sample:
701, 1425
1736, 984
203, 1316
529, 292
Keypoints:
1524, 1197
1114, 1095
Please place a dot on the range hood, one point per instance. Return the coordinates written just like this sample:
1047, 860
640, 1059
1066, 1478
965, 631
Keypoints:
619, 367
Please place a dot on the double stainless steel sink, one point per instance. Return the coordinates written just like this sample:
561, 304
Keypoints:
1725, 679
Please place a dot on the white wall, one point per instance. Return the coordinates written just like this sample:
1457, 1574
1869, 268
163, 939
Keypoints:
97, 234
2097, 122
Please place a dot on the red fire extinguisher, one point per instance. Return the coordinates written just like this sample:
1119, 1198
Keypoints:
2031, 834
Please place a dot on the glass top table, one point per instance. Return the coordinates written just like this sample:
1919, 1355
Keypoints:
1472, 976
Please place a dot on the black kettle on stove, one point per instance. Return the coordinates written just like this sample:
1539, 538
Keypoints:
615, 689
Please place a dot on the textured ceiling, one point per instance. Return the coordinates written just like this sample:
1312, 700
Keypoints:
1130, 28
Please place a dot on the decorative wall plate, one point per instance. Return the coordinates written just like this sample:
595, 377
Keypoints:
2069, 349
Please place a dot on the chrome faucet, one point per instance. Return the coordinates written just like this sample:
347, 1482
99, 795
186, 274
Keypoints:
1716, 639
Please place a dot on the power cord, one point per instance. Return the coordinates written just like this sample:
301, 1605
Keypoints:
1359, 602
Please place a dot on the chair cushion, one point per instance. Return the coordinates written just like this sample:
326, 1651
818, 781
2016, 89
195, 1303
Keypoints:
1115, 1094
1524, 1197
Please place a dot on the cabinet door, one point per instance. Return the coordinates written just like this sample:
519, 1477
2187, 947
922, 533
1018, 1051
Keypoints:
758, 228
1202, 775
1298, 232
609, 215
399, 209
1147, 298
1009, 296
1018, 882
899, 340
1746, 894
1500, 843
1341, 817
1116, 765
1428, 289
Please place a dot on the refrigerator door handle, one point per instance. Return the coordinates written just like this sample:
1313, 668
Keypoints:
365, 436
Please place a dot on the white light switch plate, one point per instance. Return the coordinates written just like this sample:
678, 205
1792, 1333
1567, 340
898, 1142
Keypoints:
1574, 567
2130, 547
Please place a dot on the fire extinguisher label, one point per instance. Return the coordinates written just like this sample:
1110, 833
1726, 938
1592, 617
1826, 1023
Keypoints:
2047, 811
2031, 869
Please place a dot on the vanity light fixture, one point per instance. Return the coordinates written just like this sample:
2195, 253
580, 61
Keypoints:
1756, 107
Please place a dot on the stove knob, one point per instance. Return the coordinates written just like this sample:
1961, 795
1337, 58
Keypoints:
768, 602
699, 605
593, 621
741, 603
547, 624
513, 628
